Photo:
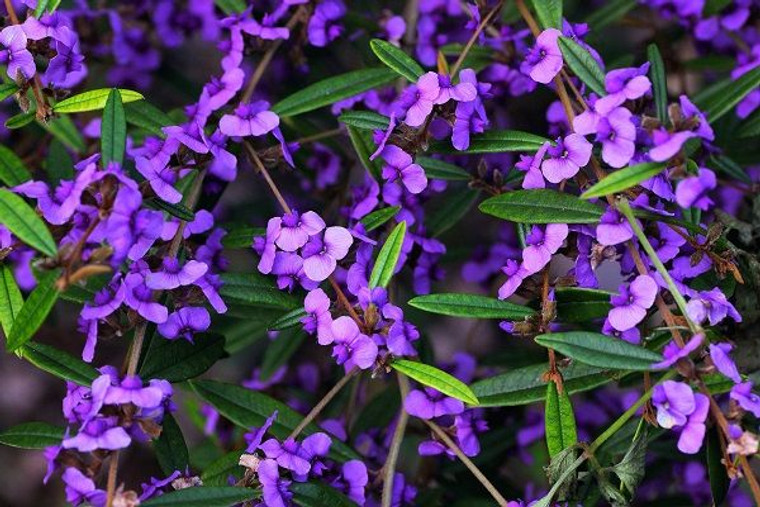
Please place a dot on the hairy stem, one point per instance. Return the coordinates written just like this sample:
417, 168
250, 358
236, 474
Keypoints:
389, 468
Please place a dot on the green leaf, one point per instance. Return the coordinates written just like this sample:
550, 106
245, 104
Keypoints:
435, 378
361, 140
397, 60
728, 167
20, 120
541, 206
20, 218
204, 496
32, 435
659, 82
177, 210
494, 141
750, 127
7, 89
279, 351
179, 360
453, 210
11, 300
287, 320
35, 310
631, 469
385, 264
217, 473
440, 170
609, 13
549, 13
716, 105
59, 363
247, 408
317, 494
93, 100
378, 413
256, 290
113, 130
148, 117
58, 164
367, 120
526, 385
716, 470
600, 350
333, 89
230, 7
583, 65
12, 169
575, 304
39, 10
624, 179
559, 421
470, 306
378, 217
170, 447
241, 236
63, 129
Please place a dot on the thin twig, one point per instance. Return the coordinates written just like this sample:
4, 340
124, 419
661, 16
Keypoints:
263, 170
486, 20
389, 468
323, 403
113, 466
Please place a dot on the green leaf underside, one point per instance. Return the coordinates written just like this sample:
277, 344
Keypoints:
36, 308
600, 350
583, 65
624, 179
32, 435
93, 100
435, 378
179, 360
472, 306
387, 258
541, 206
20, 218
171, 449
559, 420
204, 496
549, 13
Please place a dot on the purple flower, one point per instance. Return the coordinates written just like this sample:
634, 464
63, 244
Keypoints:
544, 61
723, 362
296, 230
81, 489
323, 25
266, 246
430, 403
542, 244
354, 480
172, 275
711, 305
401, 334
743, 395
693, 432
255, 437
254, 119
630, 306
318, 318
674, 402
106, 301
673, 353
19, 61
419, 99
286, 455
185, 322
99, 433
566, 158
692, 191
273, 488
623, 84
140, 298
614, 130
321, 255
158, 173
470, 116
131, 390
533, 176
613, 228
289, 270
399, 165
667, 144
351, 347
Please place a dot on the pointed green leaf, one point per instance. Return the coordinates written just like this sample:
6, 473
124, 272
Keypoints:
361, 140
367, 120
32, 435
180, 360
750, 127
241, 235
170, 447
148, 117
435, 378
20, 120
609, 13
549, 13
247, 408
39, 10
575, 304
470, 306
715, 106
494, 141
11, 300
440, 170
317, 494
7, 89
290, 319
177, 210
35, 310
542, 206
22, 221
59, 363
623, 179
378, 217
217, 473
63, 129
631, 469
728, 167
203, 496
231, 7
600, 350
659, 82
12, 169
559, 421
256, 290
396, 59
58, 165
583, 65
113, 130
453, 210
93, 100
716, 470
385, 264
333, 89
279, 351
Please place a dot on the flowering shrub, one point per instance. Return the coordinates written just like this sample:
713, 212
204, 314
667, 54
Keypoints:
475, 252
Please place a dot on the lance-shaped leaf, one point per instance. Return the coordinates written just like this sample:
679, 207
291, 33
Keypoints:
602, 351
203, 496
231, 7
495, 141
179, 360
93, 100
32, 435
148, 117
440, 170
471, 306
113, 130
396, 59
248, 408
256, 290
21, 220
609, 13
7, 89
549, 13
623, 179
378, 217
58, 165
35, 310
367, 120
583, 65
716, 470
333, 89
61, 364
279, 351
559, 420
452, 211
576, 304
631, 468
63, 129
318, 494
219, 471
12, 169
11, 299
170, 447
240, 235
542, 206
385, 264
361, 140
287, 320
435, 378
659, 83
727, 166
720, 103
750, 127
176, 210
20, 120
